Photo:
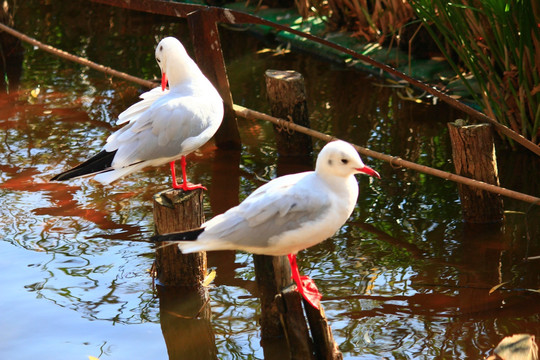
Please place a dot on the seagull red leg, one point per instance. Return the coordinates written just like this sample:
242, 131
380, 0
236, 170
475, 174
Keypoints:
186, 186
306, 286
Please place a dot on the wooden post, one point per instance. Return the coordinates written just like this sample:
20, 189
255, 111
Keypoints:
324, 344
283, 327
185, 315
175, 210
205, 36
473, 152
287, 97
184, 303
281, 304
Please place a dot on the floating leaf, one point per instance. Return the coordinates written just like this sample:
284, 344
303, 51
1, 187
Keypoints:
35, 92
497, 286
209, 278
90, 357
367, 338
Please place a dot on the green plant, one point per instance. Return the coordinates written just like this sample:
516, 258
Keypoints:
498, 43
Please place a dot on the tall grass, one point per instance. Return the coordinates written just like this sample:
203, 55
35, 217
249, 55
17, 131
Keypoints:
374, 20
498, 43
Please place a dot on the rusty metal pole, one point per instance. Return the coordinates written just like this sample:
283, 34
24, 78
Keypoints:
209, 56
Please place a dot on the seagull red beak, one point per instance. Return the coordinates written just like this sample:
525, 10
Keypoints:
163, 81
369, 171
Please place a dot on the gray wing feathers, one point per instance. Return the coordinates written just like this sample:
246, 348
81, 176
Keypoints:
267, 213
157, 133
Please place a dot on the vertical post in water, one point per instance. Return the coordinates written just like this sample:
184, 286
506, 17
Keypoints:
473, 152
284, 330
209, 56
281, 308
287, 96
175, 210
183, 300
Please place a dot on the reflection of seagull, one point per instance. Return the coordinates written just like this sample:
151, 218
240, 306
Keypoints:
164, 126
288, 214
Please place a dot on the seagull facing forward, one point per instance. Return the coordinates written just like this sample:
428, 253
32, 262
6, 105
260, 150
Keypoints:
166, 125
287, 214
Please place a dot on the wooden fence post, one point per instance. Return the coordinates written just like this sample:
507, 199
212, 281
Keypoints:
284, 330
184, 302
205, 34
287, 96
473, 152
175, 210
281, 305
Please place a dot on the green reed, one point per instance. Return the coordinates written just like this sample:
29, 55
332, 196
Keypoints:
498, 43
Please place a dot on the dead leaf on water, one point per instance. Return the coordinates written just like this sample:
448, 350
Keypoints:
367, 338
90, 357
35, 92
497, 286
209, 278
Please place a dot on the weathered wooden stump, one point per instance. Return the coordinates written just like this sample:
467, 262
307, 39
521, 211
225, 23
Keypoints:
184, 302
282, 315
175, 211
284, 330
324, 345
185, 315
473, 151
287, 96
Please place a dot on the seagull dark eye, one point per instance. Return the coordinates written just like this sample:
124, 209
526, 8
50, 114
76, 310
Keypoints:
158, 60
161, 48
344, 161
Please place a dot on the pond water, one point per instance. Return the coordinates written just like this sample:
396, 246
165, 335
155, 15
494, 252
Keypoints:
405, 278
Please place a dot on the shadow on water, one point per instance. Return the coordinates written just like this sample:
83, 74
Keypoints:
404, 278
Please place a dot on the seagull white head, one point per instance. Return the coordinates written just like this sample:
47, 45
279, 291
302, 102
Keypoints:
174, 62
340, 158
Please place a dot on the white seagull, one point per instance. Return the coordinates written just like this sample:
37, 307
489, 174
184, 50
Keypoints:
164, 126
287, 214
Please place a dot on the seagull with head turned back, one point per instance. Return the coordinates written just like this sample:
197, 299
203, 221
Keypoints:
165, 126
287, 214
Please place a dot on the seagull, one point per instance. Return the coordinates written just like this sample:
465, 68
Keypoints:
287, 214
166, 125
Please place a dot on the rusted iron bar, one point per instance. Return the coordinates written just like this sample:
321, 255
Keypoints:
394, 160
228, 16
256, 115
77, 59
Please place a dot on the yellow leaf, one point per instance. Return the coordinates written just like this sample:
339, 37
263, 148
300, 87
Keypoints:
35, 92
90, 357
209, 278
497, 286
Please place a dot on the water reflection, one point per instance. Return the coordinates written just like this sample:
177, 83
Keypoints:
404, 278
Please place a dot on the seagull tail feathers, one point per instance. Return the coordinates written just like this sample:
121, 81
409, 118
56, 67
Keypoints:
188, 236
98, 163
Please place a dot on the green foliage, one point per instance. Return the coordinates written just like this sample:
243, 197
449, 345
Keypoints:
497, 42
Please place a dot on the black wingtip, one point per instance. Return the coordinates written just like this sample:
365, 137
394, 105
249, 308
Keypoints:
97, 163
189, 235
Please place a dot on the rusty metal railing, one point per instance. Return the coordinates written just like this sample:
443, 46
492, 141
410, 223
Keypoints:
208, 17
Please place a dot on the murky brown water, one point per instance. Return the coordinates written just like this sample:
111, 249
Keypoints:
403, 279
